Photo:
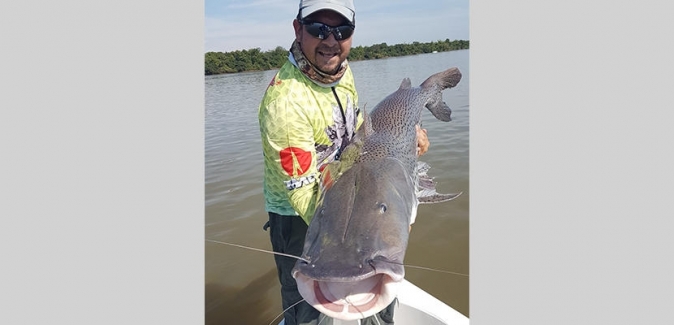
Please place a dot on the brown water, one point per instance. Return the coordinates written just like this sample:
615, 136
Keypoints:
241, 285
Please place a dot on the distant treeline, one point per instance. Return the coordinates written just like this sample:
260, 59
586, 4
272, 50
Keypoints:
256, 60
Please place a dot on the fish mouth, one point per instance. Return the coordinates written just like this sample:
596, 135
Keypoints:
347, 299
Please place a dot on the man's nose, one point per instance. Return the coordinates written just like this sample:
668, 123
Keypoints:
330, 40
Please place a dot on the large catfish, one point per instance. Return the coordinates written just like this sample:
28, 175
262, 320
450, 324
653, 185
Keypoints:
356, 241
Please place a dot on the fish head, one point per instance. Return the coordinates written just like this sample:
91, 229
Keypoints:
356, 242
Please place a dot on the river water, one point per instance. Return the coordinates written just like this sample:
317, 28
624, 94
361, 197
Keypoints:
242, 285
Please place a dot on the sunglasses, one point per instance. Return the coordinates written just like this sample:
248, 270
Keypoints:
322, 31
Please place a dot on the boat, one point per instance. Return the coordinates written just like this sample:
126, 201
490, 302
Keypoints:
416, 306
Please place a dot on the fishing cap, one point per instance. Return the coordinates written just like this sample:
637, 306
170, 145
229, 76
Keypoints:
343, 7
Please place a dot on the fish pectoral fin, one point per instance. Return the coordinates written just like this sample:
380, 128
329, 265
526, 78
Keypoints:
428, 197
426, 187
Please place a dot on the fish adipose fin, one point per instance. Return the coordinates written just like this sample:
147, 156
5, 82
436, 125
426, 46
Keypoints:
426, 187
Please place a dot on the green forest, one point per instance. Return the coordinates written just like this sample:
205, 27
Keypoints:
256, 60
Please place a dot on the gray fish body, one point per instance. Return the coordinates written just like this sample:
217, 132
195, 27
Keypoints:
357, 238
393, 120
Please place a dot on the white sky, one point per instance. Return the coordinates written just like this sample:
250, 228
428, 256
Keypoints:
237, 25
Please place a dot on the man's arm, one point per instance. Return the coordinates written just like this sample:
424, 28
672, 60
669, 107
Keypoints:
288, 138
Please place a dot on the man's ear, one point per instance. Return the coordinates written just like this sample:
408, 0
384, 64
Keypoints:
298, 30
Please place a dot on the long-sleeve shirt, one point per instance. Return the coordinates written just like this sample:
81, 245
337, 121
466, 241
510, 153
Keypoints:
304, 126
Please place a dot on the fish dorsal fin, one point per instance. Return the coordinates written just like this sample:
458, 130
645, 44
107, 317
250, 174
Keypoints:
367, 125
406, 84
355, 147
364, 131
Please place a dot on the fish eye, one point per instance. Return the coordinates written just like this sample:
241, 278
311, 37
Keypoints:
382, 207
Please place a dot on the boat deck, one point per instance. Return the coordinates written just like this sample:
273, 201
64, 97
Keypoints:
416, 306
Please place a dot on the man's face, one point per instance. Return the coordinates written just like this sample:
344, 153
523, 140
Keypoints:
326, 54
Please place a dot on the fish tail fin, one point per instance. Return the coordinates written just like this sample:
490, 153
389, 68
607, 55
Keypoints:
445, 79
437, 83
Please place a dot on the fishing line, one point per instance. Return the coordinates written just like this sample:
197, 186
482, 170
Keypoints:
425, 268
430, 269
259, 250
356, 308
361, 313
284, 311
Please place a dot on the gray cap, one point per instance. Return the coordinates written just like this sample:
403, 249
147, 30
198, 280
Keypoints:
343, 7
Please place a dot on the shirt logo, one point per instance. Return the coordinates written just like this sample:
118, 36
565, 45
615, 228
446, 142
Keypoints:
299, 182
295, 161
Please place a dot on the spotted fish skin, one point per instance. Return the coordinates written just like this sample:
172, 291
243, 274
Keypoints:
355, 244
393, 121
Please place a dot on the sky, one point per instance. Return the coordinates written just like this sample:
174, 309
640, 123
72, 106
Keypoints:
265, 24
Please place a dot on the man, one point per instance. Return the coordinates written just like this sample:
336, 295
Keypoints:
308, 115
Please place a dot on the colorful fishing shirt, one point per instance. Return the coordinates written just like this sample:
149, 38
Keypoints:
304, 125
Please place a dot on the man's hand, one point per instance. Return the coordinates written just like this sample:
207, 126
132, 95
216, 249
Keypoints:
422, 141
